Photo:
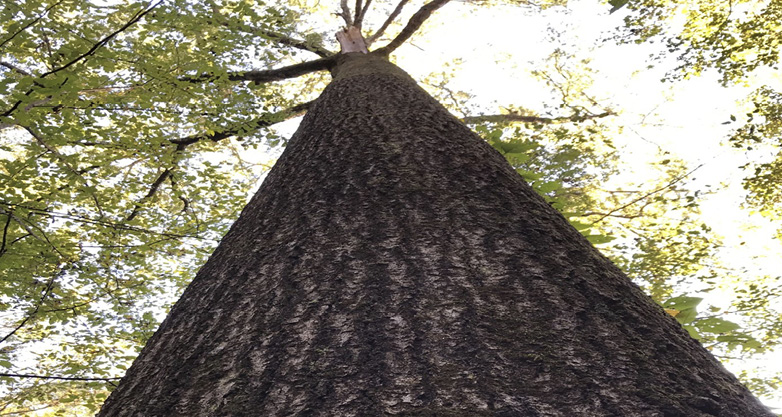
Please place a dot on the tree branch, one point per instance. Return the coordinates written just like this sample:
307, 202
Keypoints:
357, 13
29, 229
47, 291
14, 68
360, 16
503, 118
34, 21
5, 234
413, 24
277, 74
299, 44
388, 21
67, 165
182, 143
263, 121
63, 378
138, 16
655, 191
284, 40
98, 222
345, 14
153, 189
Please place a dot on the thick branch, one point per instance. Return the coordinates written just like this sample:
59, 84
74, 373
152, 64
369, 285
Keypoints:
265, 76
357, 12
413, 24
299, 44
388, 21
504, 118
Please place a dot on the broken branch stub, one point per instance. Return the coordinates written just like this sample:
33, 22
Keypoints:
351, 40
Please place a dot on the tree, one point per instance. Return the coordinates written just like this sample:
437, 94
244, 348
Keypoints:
738, 43
130, 110
375, 274
740, 40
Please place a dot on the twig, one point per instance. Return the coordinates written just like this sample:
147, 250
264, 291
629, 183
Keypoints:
263, 121
63, 378
153, 189
67, 165
499, 118
671, 183
98, 222
413, 24
360, 19
13, 67
388, 21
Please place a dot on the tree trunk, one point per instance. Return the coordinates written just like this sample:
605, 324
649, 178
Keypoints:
394, 263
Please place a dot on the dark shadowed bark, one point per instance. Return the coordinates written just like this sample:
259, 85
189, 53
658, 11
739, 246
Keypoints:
394, 263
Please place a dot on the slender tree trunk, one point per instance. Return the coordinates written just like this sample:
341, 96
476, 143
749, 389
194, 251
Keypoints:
394, 263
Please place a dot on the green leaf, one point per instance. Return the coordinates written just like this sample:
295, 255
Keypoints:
617, 4
599, 239
693, 332
682, 302
580, 225
548, 187
687, 315
716, 325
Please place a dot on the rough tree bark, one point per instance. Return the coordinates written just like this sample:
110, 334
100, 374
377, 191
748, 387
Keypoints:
393, 263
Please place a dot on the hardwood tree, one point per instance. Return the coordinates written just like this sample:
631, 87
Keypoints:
391, 251
373, 274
